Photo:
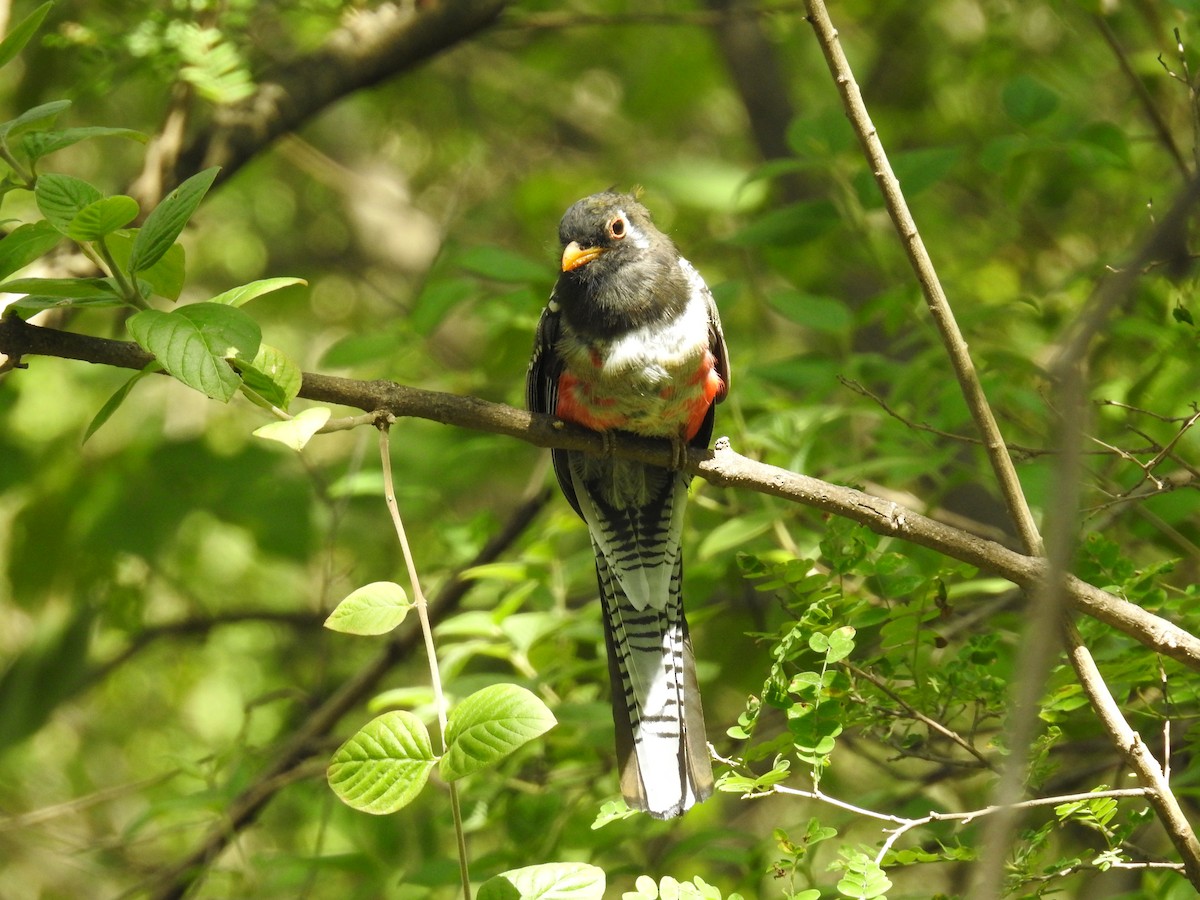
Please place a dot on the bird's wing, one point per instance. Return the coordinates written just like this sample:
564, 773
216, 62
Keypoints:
541, 388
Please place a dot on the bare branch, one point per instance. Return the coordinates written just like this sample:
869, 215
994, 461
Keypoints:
720, 466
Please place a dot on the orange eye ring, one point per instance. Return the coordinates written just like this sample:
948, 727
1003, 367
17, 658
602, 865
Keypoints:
618, 228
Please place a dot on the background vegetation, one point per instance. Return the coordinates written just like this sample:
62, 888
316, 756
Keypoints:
163, 662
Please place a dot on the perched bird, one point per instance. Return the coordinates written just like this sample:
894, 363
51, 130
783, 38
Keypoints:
631, 341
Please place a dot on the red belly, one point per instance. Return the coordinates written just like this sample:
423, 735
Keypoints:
680, 407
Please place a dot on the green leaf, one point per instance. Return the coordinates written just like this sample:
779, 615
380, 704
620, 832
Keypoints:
194, 342
489, 725
166, 222
62, 197
841, 644
384, 766
273, 376
1028, 101
165, 277
799, 223
63, 288
19, 35
548, 881
39, 677
103, 217
26, 243
735, 532
296, 432
114, 402
42, 143
503, 265
820, 313
247, 292
375, 608
612, 811
32, 118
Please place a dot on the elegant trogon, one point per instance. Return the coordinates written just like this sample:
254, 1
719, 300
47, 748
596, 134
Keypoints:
630, 341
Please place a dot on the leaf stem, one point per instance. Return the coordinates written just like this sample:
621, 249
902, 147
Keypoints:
129, 290
422, 608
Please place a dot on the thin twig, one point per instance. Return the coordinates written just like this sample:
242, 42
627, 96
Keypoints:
937, 726
1161, 129
422, 608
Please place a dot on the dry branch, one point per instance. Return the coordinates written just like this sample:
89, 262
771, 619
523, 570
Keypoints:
722, 467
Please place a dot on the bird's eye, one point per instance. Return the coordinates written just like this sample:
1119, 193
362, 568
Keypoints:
617, 228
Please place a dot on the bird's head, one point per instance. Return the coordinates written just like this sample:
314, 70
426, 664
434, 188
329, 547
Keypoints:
618, 270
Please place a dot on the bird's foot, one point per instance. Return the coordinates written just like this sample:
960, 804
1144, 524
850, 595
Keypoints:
679, 453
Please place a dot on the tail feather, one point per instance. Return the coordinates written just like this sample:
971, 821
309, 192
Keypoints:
659, 721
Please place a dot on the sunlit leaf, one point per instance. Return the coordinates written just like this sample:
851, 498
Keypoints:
297, 431
247, 292
384, 766
18, 36
193, 343
60, 198
489, 725
273, 376
102, 217
167, 220
113, 403
548, 881
35, 145
24, 244
375, 608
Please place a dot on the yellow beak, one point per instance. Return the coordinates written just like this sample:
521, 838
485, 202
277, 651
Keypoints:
575, 256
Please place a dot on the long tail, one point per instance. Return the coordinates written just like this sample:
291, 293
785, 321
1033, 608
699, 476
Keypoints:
661, 744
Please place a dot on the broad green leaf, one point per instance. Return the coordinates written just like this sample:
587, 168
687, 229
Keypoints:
167, 220
1028, 101
384, 766
503, 265
32, 118
165, 277
841, 644
114, 402
247, 292
43, 674
548, 881
375, 608
790, 225
819, 313
273, 376
102, 218
356, 349
62, 197
295, 433
489, 725
735, 532
42, 143
19, 35
26, 243
194, 342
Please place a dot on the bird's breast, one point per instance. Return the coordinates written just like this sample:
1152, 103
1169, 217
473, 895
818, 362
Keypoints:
657, 380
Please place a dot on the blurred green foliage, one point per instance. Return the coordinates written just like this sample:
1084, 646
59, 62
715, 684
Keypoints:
163, 585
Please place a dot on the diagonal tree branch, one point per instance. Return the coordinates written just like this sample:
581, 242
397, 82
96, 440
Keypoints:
372, 46
722, 467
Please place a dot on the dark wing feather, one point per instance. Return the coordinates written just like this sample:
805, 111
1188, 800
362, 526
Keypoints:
716, 344
541, 389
